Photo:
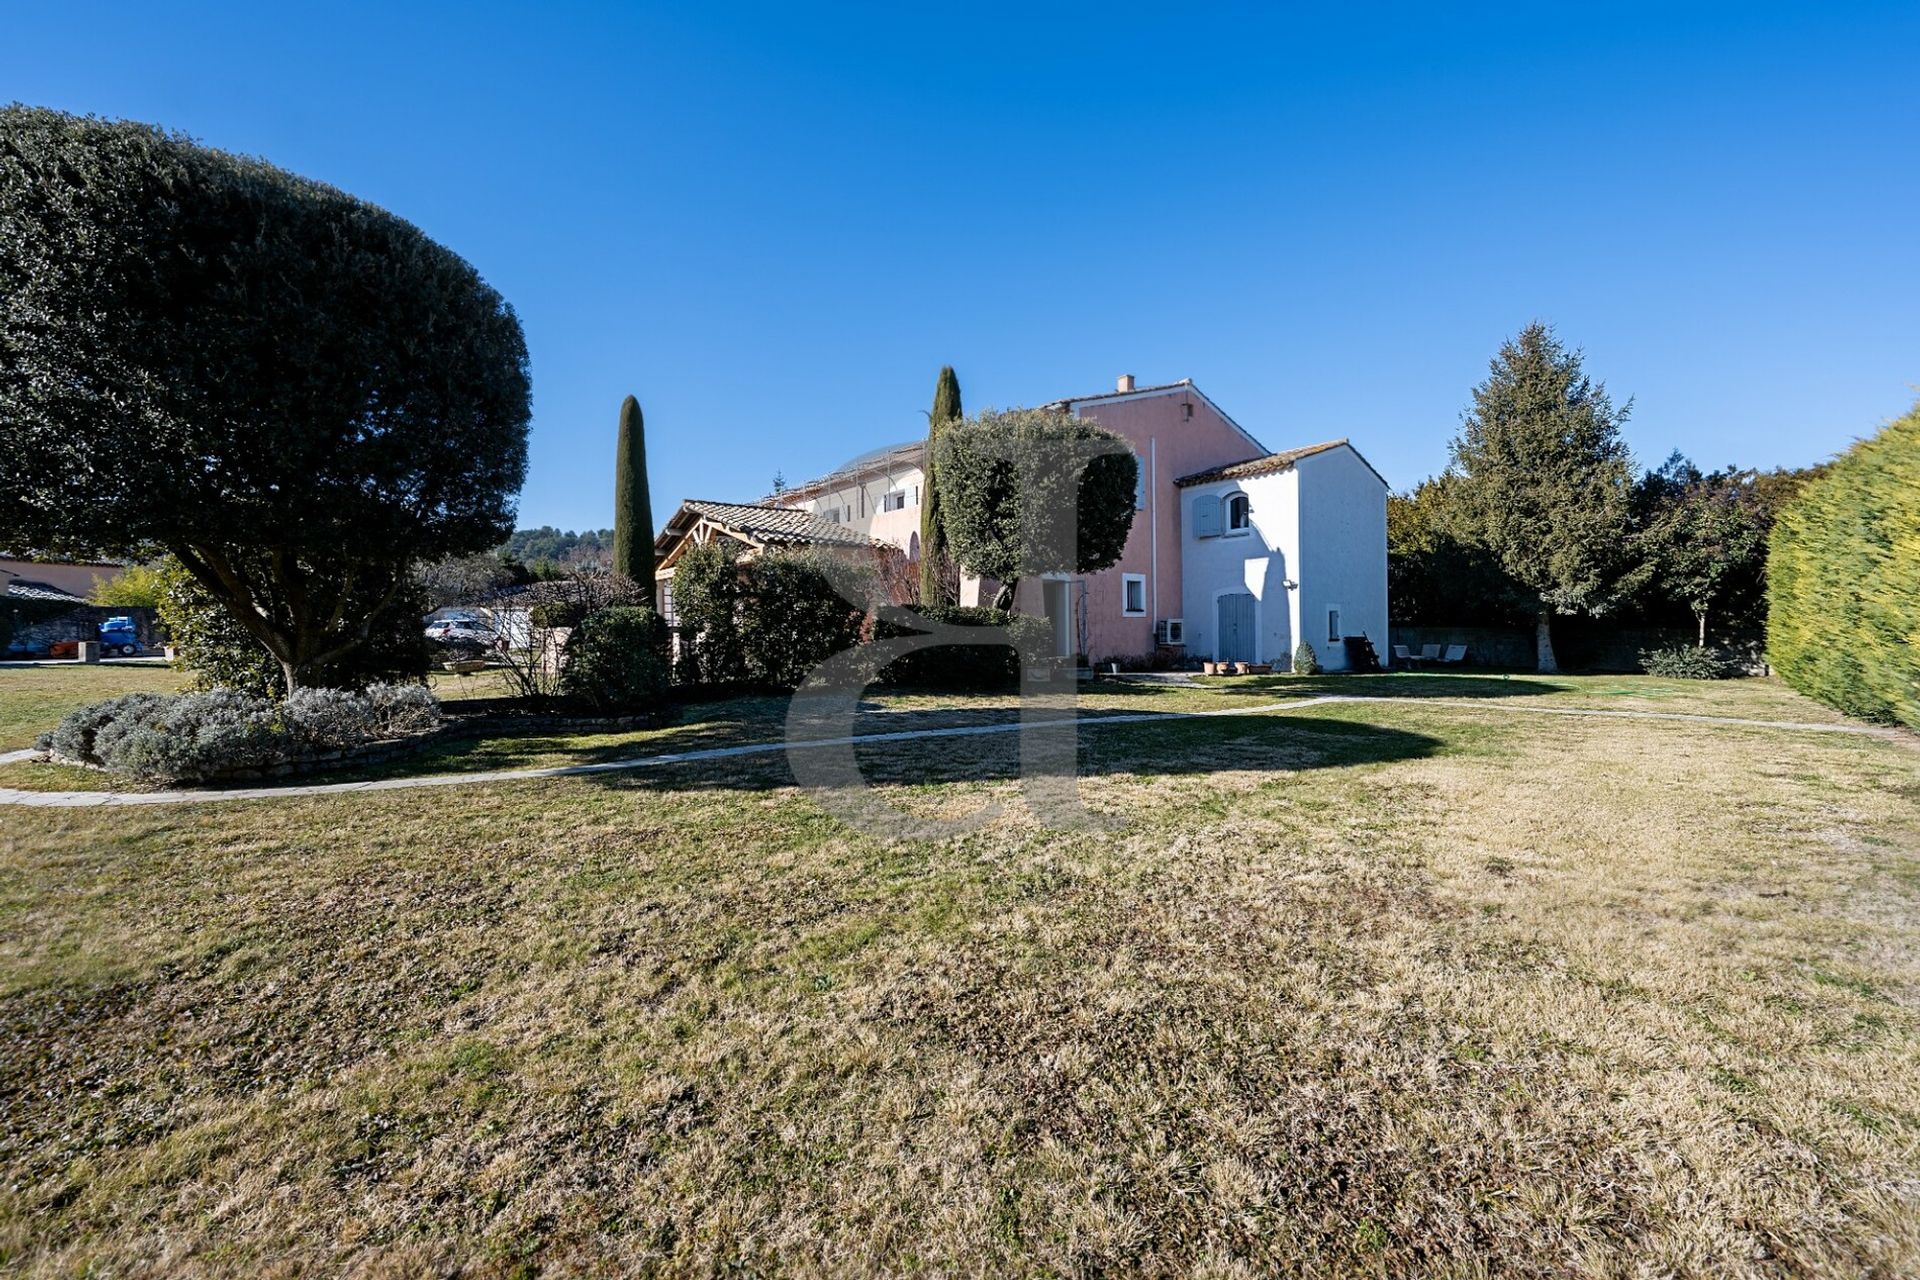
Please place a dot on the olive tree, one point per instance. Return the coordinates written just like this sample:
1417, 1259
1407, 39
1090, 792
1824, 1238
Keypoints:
295, 393
1030, 491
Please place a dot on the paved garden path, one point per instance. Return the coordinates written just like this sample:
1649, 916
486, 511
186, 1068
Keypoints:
90, 799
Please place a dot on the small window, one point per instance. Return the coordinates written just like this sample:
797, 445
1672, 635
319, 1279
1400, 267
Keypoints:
1139, 484
895, 501
1133, 595
830, 514
1239, 513
1333, 626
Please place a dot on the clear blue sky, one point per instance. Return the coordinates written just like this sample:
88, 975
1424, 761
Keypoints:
774, 224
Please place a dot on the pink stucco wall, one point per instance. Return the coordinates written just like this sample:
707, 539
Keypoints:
1175, 433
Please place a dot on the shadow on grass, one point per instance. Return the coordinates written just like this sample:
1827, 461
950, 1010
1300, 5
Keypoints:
1387, 684
1154, 748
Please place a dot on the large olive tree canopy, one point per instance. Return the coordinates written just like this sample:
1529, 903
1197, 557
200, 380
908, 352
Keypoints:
1030, 491
296, 393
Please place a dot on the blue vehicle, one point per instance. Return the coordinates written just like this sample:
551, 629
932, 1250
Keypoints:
119, 636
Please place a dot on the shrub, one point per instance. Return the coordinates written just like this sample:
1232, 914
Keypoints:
616, 661
194, 735
982, 666
1687, 662
707, 594
218, 732
402, 710
1843, 618
1305, 661
73, 736
794, 616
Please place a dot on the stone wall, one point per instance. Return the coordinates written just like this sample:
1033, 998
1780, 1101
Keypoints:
83, 623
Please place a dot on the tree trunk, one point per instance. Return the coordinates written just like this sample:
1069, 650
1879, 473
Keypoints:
1003, 598
1702, 616
1543, 644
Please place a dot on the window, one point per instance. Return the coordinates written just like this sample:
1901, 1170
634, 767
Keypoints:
1139, 483
667, 613
830, 514
1333, 625
1239, 513
895, 501
1133, 595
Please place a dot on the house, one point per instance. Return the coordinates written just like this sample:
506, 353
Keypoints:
751, 529
1237, 552
73, 577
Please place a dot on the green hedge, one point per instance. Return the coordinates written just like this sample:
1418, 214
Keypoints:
963, 666
617, 661
1843, 594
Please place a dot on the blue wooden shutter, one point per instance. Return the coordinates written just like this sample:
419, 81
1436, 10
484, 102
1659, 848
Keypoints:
1206, 516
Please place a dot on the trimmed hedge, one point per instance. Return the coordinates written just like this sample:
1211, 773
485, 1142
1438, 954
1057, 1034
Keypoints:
982, 666
794, 616
617, 661
1843, 592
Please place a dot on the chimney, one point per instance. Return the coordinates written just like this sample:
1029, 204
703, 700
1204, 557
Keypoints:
1124, 382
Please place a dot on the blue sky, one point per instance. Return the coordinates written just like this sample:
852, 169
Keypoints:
774, 224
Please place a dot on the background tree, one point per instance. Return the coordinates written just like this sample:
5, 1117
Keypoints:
1033, 491
1544, 481
1705, 536
933, 539
136, 586
1436, 574
632, 507
295, 393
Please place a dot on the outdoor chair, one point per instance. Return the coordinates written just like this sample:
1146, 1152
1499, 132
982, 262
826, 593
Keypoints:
1429, 653
1456, 653
1402, 655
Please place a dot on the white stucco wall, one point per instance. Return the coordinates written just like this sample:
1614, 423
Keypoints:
1259, 562
1343, 552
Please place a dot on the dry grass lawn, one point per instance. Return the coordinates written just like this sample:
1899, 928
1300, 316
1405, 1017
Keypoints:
1366, 989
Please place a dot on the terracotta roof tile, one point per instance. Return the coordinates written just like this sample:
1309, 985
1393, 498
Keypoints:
779, 525
1257, 466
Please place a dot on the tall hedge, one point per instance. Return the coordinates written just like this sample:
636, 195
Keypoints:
1843, 621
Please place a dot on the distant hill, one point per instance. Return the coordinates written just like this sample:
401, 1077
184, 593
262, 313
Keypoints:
532, 546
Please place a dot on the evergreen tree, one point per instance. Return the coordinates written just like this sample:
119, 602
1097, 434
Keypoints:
933, 539
1545, 483
1033, 491
632, 508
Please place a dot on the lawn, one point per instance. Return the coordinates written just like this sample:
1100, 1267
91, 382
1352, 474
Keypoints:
1375, 988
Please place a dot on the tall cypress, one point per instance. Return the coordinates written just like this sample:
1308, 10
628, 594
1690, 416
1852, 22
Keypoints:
632, 507
933, 539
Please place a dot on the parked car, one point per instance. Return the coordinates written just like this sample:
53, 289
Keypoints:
462, 632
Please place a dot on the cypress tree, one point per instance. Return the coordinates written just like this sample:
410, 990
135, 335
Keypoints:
632, 508
933, 538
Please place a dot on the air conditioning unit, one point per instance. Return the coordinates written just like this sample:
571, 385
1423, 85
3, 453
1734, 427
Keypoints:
1170, 631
